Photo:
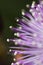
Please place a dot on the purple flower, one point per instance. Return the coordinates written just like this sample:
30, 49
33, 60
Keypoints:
29, 40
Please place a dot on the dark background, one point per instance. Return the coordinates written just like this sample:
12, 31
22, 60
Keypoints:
9, 10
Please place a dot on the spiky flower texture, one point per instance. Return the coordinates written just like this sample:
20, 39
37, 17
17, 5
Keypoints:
29, 40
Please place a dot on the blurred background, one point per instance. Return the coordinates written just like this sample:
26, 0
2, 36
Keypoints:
9, 10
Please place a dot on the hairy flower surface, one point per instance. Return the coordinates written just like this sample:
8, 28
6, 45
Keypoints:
29, 40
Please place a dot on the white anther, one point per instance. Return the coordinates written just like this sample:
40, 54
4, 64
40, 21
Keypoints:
15, 53
10, 26
17, 63
16, 43
27, 5
12, 63
14, 59
17, 20
10, 50
20, 28
15, 34
31, 10
33, 4
23, 12
18, 34
8, 40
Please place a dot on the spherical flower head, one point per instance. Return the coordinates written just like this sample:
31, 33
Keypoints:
29, 37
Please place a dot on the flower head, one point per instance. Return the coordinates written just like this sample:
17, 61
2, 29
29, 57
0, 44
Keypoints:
29, 40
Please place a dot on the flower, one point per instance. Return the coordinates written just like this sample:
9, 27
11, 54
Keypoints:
29, 40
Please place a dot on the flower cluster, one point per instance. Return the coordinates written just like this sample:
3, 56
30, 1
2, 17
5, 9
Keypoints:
29, 40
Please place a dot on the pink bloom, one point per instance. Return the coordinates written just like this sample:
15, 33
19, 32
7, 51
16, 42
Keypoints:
29, 40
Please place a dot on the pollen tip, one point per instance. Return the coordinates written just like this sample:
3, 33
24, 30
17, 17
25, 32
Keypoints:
16, 43
27, 5
17, 63
10, 26
23, 12
10, 50
8, 40
33, 4
12, 63
15, 53
20, 28
14, 59
17, 20
16, 34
